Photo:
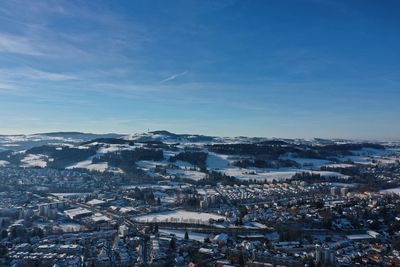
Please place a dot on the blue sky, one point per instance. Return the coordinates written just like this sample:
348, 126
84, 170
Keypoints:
298, 68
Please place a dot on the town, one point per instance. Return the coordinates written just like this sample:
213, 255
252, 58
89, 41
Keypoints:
161, 199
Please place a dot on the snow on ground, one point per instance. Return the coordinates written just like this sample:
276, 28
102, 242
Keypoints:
246, 174
259, 174
31, 160
102, 166
179, 216
168, 154
339, 165
194, 175
149, 164
170, 186
223, 163
373, 159
4, 163
207, 191
183, 164
343, 185
388, 160
391, 191
10, 145
180, 234
87, 164
358, 159
69, 194
217, 161
109, 148
311, 163
141, 137
368, 155
307, 163
34, 138
70, 227
168, 199
254, 225
60, 144
371, 152
115, 170
329, 174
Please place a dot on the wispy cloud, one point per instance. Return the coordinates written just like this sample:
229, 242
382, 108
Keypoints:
17, 45
173, 77
5, 86
39, 45
49, 76
29, 30
36, 74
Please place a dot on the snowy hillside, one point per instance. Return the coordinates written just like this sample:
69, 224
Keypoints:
165, 155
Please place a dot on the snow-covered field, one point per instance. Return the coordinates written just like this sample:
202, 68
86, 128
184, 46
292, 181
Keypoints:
87, 164
391, 191
373, 156
179, 216
373, 159
339, 165
311, 163
306, 163
4, 163
216, 161
194, 175
101, 166
109, 148
270, 175
260, 174
388, 160
329, 174
34, 161
149, 164
358, 159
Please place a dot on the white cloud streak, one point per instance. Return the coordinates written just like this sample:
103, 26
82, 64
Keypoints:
173, 77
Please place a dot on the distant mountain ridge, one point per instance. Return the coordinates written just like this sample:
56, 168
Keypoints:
26, 141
